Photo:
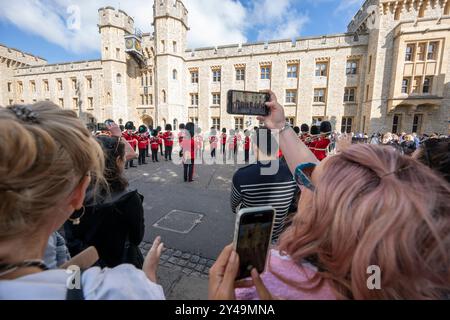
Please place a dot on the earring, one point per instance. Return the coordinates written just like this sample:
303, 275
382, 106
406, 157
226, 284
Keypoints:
76, 221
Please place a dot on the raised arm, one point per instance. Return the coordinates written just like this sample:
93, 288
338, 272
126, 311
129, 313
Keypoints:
294, 150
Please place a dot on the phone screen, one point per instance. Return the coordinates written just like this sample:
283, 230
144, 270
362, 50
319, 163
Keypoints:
247, 103
102, 127
253, 241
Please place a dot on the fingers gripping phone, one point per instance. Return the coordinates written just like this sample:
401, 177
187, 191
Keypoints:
247, 103
252, 236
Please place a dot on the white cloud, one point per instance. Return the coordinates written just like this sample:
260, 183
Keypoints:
215, 22
279, 19
211, 22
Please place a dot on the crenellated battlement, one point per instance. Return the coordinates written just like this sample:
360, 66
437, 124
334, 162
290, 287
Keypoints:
172, 8
109, 16
276, 46
15, 58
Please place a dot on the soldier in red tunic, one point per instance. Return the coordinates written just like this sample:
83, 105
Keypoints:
154, 145
314, 137
321, 147
160, 136
304, 135
247, 146
223, 141
142, 143
213, 142
168, 142
131, 138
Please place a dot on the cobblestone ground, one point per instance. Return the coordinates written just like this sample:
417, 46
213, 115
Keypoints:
176, 260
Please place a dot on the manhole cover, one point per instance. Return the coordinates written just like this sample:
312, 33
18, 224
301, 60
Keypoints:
179, 221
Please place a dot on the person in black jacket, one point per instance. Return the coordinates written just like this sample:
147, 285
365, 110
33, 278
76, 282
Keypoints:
113, 219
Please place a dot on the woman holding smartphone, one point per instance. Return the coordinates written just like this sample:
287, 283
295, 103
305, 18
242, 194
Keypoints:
365, 208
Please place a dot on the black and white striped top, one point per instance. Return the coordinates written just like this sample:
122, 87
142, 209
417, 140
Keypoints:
251, 189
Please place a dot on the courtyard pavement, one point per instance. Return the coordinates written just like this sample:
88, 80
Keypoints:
194, 220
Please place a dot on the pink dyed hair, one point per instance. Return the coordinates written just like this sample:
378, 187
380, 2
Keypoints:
373, 206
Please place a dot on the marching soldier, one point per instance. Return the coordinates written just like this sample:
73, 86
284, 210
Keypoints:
168, 142
321, 147
131, 138
160, 136
154, 145
142, 143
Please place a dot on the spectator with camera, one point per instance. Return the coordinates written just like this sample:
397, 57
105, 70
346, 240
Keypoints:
39, 191
365, 206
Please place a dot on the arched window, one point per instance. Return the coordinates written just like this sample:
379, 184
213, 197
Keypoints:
164, 96
398, 11
447, 9
164, 123
118, 78
174, 74
175, 124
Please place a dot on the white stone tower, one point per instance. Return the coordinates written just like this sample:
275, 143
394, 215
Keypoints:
170, 28
113, 26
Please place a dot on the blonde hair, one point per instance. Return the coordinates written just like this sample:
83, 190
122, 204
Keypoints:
373, 206
42, 161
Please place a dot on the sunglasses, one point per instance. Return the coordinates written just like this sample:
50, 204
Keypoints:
303, 174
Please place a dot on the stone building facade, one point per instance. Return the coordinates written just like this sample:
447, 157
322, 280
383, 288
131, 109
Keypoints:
389, 72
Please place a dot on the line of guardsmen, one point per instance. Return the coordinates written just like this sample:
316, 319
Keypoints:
317, 138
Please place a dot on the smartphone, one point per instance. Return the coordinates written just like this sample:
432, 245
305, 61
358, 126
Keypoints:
247, 103
102, 127
252, 238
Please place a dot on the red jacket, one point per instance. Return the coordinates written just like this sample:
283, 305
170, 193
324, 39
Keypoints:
160, 137
213, 142
223, 136
321, 147
142, 141
168, 138
130, 138
247, 143
154, 143
188, 146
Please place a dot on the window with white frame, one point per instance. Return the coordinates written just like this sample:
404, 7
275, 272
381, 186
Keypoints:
350, 95
194, 99
352, 67
319, 95
291, 96
216, 75
239, 123
194, 76
346, 124
265, 72
216, 98
216, 123
321, 69
292, 70
240, 74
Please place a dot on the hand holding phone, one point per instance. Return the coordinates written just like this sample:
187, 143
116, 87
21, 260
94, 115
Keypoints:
253, 233
247, 103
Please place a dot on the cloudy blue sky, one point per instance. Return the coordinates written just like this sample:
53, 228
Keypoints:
44, 27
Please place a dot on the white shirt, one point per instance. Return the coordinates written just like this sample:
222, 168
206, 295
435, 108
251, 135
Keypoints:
123, 282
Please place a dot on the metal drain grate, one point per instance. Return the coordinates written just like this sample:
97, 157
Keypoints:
179, 221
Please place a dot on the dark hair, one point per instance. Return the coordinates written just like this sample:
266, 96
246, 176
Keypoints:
113, 148
224, 130
315, 130
190, 128
304, 128
266, 141
408, 147
296, 130
168, 127
255, 128
325, 127
435, 153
